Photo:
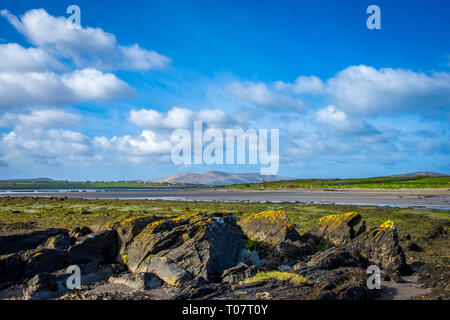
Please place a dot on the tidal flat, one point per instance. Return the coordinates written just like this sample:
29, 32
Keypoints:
21, 214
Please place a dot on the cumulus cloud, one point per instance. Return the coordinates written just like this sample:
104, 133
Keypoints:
176, 118
50, 88
338, 121
145, 144
39, 143
261, 94
15, 58
368, 91
302, 84
40, 118
87, 47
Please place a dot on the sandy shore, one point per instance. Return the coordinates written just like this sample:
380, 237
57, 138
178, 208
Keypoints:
432, 198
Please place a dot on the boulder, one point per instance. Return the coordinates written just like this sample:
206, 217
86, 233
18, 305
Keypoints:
238, 273
334, 258
170, 272
44, 260
11, 268
60, 241
128, 229
343, 283
138, 281
379, 246
339, 229
204, 245
40, 287
101, 247
26, 241
270, 227
79, 232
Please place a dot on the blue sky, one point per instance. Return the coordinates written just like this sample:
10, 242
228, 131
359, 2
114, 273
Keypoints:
100, 102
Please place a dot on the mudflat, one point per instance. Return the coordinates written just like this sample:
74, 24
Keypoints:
438, 198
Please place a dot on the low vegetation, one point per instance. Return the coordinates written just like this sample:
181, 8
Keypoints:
368, 183
292, 278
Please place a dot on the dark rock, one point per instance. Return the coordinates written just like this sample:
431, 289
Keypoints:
138, 281
344, 283
203, 245
334, 258
78, 232
436, 277
128, 229
40, 287
379, 246
239, 273
412, 246
26, 241
61, 241
272, 227
44, 260
339, 229
168, 271
11, 268
101, 247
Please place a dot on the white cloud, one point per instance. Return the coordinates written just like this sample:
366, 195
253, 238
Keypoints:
15, 58
366, 90
40, 118
338, 121
88, 47
49, 88
176, 118
38, 143
145, 144
302, 84
261, 95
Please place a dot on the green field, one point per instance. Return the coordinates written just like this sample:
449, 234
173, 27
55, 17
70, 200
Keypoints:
6, 185
367, 183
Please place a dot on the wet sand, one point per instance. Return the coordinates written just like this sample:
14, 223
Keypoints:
431, 198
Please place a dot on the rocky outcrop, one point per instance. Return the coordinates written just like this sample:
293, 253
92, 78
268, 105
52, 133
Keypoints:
379, 246
44, 260
376, 246
204, 245
272, 227
128, 229
339, 229
138, 281
101, 247
26, 241
11, 268
239, 273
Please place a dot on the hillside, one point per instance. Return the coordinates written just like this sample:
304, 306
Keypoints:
215, 178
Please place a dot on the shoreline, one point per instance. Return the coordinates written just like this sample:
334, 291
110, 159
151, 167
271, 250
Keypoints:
431, 198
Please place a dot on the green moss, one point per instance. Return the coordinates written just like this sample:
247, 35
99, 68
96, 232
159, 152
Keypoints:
292, 278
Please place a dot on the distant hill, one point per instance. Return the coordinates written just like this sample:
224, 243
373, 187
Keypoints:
216, 178
29, 180
421, 174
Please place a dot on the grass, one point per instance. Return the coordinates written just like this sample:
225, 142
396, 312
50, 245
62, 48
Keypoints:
292, 278
368, 183
17, 185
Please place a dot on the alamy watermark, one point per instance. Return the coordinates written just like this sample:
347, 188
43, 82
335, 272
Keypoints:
74, 280
74, 21
374, 280
208, 147
374, 20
